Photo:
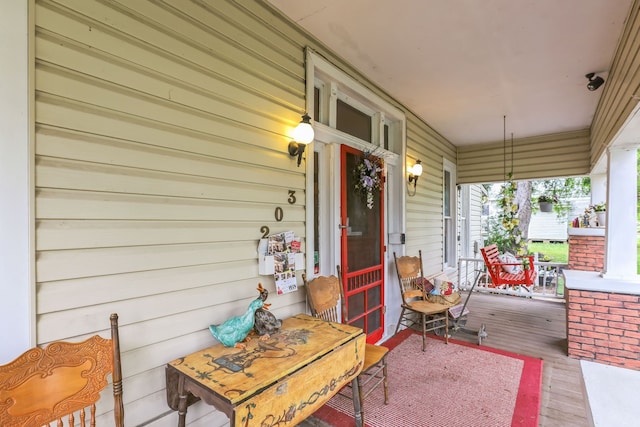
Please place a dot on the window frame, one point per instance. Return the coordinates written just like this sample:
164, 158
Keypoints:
449, 222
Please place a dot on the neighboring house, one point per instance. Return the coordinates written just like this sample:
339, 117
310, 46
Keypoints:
148, 150
546, 226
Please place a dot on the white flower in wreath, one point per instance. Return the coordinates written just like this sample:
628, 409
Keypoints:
369, 177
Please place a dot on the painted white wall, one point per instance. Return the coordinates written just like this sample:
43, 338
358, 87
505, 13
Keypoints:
621, 246
15, 182
598, 188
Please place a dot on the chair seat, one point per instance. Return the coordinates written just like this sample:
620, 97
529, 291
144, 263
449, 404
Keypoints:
373, 354
427, 307
518, 278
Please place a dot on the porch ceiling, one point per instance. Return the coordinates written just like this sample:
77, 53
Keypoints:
462, 64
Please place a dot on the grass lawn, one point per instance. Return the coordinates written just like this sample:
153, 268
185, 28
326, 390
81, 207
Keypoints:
559, 252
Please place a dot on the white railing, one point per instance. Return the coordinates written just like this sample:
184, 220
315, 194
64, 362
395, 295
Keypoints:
550, 282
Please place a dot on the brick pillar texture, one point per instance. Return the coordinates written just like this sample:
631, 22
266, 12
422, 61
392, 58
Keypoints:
586, 253
604, 327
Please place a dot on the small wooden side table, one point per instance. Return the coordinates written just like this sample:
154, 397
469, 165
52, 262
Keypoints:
279, 381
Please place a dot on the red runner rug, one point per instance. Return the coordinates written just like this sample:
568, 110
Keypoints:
458, 384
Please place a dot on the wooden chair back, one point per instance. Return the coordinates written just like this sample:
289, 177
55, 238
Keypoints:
491, 256
526, 277
61, 381
410, 276
325, 296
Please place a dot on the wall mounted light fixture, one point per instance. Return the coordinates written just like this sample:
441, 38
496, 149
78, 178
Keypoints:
302, 135
414, 174
594, 81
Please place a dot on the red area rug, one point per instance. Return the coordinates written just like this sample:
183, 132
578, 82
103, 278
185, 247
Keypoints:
458, 384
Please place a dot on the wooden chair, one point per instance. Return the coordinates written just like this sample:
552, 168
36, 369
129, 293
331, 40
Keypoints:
61, 381
525, 278
433, 316
324, 295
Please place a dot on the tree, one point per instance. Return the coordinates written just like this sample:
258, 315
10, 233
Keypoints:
509, 228
525, 209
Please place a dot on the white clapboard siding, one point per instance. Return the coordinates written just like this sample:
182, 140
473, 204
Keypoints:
475, 217
161, 152
546, 226
146, 283
547, 156
117, 31
101, 121
170, 150
74, 234
424, 211
67, 174
619, 97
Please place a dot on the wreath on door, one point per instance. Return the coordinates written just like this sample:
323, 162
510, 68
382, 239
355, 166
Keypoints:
369, 177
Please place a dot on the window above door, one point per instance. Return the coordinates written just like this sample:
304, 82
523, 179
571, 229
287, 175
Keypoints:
351, 113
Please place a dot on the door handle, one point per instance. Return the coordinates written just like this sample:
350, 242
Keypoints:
342, 227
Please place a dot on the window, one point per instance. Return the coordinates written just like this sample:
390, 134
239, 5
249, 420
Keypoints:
353, 121
464, 224
450, 247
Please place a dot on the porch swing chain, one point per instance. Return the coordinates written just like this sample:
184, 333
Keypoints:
504, 150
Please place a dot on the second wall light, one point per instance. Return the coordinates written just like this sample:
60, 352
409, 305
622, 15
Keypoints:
414, 174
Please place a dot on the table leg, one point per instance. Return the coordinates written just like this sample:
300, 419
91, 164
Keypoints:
357, 405
182, 402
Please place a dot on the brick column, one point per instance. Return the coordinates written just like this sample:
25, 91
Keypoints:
604, 327
586, 253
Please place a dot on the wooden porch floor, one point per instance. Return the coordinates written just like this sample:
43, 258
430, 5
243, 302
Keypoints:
534, 328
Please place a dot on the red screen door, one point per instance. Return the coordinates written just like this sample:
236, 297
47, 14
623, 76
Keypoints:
362, 248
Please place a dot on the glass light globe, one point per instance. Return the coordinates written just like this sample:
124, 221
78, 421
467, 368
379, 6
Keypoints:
417, 169
303, 133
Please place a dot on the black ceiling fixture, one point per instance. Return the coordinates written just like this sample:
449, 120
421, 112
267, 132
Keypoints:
594, 81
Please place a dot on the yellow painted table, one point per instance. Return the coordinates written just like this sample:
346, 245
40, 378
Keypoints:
279, 381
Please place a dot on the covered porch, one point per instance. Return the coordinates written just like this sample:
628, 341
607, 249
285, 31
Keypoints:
146, 150
537, 328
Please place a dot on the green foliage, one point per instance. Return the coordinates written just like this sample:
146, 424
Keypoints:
548, 199
558, 190
503, 228
598, 207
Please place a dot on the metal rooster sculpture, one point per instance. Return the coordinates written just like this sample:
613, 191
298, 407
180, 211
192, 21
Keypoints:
232, 332
265, 322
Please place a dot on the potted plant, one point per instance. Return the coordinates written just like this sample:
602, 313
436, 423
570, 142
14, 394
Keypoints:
546, 202
601, 213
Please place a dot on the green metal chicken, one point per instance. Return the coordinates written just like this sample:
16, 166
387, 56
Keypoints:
232, 332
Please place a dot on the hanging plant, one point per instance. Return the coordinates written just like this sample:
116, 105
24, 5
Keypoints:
369, 178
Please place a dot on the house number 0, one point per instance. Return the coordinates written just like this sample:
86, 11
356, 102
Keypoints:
279, 214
